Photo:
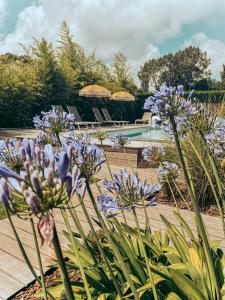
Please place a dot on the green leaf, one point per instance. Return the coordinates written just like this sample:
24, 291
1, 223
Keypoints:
58, 291
173, 296
106, 296
219, 271
147, 286
186, 286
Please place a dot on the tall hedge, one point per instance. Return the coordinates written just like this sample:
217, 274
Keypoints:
19, 110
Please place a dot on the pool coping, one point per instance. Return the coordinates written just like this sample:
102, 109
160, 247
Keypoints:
134, 143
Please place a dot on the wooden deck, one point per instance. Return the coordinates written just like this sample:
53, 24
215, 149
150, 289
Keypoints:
14, 273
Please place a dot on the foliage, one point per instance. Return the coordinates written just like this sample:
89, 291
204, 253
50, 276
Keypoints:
122, 72
186, 67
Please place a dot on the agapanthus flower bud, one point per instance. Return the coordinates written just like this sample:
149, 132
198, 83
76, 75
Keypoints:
49, 152
22, 153
33, 202
49, 174
62, 165
4, 184
35, 182
37, 152
69, 152
68, 183
4, 194
7, 172
27, 166
78, 184
28, 146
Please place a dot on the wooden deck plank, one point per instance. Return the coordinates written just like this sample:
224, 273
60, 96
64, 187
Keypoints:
15, 267
8, 285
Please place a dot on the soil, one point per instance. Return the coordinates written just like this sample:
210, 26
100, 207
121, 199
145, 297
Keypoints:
29, 292
211, 210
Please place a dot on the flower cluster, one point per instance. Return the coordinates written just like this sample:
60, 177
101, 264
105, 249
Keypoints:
169, 102
88, 157
10, 154
153, 153
127, 192
54, 121
168, 171
100, 135
13, 153
46, 138
216, 139
40, 187
120, 141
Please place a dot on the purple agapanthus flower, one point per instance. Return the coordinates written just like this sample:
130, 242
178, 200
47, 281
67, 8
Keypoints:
88, 157
169, 101
10, 154
168, 171
216, 139
54, 122
153, 153
108, 205
41, 187
129, 191
119, 141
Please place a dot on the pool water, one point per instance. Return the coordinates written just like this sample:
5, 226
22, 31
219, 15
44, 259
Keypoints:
141, 133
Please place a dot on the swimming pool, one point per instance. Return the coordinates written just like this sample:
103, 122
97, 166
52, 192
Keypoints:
141, 133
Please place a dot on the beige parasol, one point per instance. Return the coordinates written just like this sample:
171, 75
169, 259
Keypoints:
122, 96
95, 91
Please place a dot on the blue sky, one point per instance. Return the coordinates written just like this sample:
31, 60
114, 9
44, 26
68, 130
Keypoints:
141, 29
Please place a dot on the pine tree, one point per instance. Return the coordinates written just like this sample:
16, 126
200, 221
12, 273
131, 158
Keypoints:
48, 72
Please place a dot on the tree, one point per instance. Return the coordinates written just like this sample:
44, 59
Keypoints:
150, 72
222, 75
121, 71
80, 69
48, 72
187, 67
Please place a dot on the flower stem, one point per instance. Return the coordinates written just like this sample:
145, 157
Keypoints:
145, 254
107, 162
100, 247
114, 247
128, 161
77, 254
39, 259
58, 139
62, 266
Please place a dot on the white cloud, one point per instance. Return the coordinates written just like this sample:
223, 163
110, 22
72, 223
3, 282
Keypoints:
214, 48
3, 11
132, 26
